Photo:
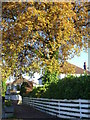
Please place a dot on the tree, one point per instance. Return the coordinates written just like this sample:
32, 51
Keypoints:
49, 77
40, 34
3, 88
23, 89
26, 87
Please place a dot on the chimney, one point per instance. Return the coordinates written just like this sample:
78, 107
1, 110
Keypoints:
84, 65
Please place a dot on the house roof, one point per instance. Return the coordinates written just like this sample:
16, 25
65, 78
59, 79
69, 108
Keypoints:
40, 78
9, 83
78, 70
21, 80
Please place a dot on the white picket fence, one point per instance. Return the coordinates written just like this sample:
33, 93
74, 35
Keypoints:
72, 109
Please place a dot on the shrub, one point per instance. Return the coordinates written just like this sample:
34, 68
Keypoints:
8, 103
68, 88
23, 89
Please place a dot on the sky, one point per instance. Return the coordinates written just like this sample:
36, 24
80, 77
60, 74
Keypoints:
79, 61
35, 77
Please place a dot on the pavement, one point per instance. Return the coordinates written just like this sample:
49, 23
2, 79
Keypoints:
26, 112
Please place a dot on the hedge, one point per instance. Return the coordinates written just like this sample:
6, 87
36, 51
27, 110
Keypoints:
67, 88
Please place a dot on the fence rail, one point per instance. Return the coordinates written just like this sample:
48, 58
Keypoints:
61, 108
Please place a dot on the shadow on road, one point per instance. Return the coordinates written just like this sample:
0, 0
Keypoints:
25, 112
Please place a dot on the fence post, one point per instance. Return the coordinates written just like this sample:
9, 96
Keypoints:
22, 100
29, 100
25, 100
59, 107
32, 102
80, 106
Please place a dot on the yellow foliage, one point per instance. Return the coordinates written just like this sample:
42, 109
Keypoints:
39, 31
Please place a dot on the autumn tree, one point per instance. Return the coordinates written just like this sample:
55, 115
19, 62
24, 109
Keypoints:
38, 34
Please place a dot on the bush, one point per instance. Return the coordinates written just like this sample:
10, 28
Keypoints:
23, 89
68, 88
8, 103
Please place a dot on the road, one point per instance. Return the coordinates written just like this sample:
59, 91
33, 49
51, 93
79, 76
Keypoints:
25, 112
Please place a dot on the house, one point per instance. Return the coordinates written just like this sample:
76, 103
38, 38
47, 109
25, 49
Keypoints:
77, 72
12, 94
13, 89
40, 81
19, 82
